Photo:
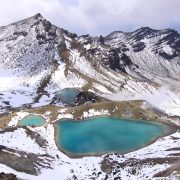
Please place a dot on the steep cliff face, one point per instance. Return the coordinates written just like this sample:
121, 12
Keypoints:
37, 59
28, 46
154, 51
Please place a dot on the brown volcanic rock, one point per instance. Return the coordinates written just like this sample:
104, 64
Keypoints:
4, 176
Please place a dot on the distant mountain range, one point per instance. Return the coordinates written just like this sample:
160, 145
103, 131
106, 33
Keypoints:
38, 59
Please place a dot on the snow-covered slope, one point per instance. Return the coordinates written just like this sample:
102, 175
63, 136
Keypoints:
143, 164
38, 59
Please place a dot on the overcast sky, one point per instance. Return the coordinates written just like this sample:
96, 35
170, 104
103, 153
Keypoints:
96, 16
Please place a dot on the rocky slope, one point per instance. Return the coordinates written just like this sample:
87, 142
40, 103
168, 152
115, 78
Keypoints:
4, 176
35, 154
37, 59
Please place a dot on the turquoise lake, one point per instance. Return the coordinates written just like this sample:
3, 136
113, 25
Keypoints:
68, 95
32, 120
98, 135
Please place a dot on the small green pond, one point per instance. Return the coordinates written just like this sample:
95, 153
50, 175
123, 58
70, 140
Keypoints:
98, 135
32, 120
68, 95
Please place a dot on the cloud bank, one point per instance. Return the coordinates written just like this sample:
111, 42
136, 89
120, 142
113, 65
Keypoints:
96, 17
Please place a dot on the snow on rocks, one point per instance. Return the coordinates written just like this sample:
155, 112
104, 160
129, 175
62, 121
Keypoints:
157, 149
19, 115
29, 53
63, 115
84, 168
65, 167
20, 140
93, 112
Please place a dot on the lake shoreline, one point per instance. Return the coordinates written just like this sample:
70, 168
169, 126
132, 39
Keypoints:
171, 129
27, 118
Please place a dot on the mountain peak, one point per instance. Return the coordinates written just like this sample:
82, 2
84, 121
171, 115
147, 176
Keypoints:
145, 30
38, 15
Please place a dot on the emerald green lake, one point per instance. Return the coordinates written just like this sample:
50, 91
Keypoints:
32, 120
98, 135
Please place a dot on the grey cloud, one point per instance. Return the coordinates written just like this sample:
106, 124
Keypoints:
96, 17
